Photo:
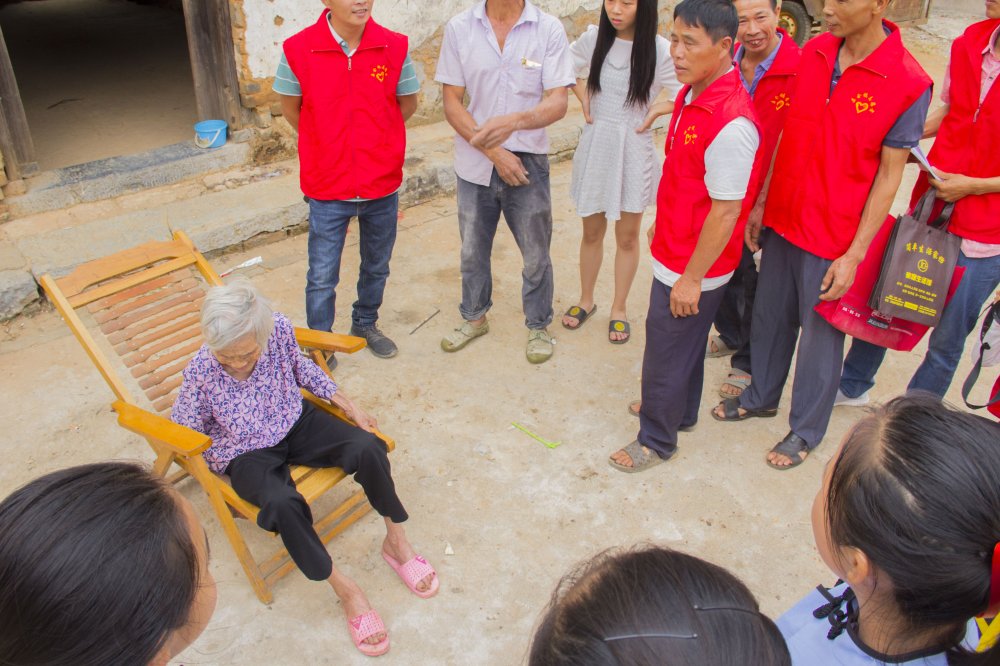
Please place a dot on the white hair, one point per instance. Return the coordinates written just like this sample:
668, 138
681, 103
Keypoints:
232, 311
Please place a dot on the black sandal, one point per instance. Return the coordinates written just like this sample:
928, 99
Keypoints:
731, 411
790, 447
579, 314
619, 326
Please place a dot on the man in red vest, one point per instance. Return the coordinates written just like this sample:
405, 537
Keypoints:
347, 85
712, 167
767, 59
860, 105
966, 155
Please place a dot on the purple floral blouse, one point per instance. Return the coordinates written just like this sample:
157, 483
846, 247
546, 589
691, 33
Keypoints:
242, 416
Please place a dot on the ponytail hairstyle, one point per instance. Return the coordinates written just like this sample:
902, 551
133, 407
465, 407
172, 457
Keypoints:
643, 64
916, 488
652, 606
97, 566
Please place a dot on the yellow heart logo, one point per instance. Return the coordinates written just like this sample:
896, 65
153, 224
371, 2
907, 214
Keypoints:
864, 102
689, 135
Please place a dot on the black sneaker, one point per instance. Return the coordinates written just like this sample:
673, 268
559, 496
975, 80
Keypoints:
378, 343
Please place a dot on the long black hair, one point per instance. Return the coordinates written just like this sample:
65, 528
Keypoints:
643, 64
97, 567
652, 606
916, 488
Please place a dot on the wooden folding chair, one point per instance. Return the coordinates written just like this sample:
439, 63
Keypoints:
143, 304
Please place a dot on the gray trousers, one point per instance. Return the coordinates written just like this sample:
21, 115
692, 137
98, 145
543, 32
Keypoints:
528, 212
787, 290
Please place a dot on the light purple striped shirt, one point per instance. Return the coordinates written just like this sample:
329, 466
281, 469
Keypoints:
242, 416
535, 58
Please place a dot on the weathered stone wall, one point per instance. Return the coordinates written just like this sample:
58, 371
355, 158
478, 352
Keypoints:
260, 26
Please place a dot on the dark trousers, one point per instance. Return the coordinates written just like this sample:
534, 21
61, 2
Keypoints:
673, 368
317, 439
790, 280
735, 314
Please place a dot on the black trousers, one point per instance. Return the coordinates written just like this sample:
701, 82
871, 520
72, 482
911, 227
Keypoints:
735, 314
317, 439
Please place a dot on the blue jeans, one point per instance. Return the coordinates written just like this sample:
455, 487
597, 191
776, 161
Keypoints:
328, 222
528, 212
947, 341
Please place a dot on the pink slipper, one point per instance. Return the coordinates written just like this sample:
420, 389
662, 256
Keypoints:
413, 572
365, 626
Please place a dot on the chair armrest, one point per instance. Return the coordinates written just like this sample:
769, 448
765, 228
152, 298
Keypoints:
348, 344
179, 439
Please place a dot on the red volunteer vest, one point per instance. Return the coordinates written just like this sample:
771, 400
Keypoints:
832, 145
968, 141
774, 94
682, 201
352, 139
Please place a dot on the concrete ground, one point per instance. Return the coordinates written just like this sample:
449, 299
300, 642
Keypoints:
515, 514
100, 78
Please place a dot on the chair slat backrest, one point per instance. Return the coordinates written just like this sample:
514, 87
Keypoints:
144, 302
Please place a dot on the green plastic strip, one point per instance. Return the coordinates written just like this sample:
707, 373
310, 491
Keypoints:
535, 437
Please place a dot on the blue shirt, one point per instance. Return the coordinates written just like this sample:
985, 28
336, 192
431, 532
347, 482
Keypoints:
809, 645
760, 70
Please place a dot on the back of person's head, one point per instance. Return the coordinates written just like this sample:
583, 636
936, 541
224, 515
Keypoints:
653, 606
97, 568
916, 489
716, 17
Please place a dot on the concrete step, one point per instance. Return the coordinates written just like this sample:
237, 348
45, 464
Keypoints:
222, 210
115, 176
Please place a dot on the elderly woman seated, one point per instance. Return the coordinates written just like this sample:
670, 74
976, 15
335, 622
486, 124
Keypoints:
242, 390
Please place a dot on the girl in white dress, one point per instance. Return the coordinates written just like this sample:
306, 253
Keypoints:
622, 66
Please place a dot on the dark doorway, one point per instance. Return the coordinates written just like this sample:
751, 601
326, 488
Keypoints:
100, 78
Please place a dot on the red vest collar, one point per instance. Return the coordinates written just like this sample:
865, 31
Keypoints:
881, 61
978, 35
787, 60
321, 39
714, 94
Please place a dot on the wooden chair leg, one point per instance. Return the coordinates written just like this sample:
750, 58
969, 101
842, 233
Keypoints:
260, 587
164, 459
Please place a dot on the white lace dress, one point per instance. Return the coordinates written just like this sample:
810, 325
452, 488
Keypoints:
615, 169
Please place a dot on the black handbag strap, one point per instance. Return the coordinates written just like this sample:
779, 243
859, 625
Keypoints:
970, 381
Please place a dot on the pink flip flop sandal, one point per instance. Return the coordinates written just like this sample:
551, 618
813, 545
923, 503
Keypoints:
365, 626
413, 572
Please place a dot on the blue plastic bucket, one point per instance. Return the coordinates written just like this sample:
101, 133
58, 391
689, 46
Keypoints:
210, 133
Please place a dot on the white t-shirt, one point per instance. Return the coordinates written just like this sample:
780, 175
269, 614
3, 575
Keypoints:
728, 165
